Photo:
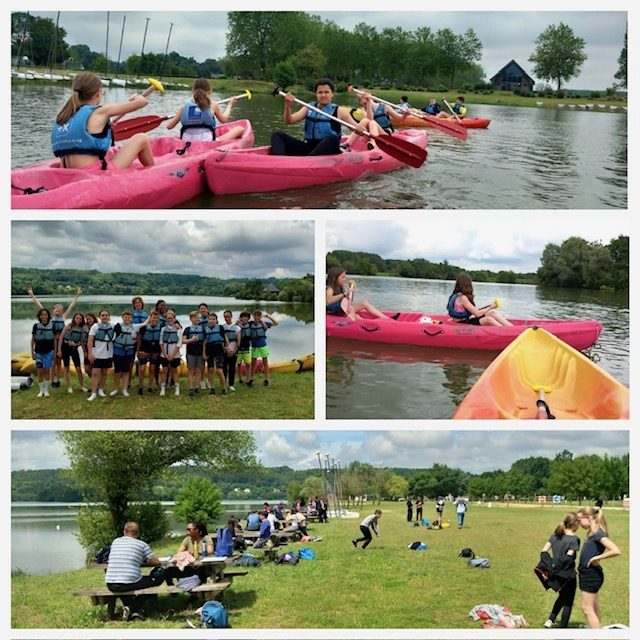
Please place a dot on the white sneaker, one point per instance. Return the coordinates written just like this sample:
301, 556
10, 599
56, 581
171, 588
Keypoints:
69, 390
101, 393
177, 390
548, 624
203, 385
40, 393
161, 389
125, 393
84, 389
232, 388
46, 392
114, 393
92, 397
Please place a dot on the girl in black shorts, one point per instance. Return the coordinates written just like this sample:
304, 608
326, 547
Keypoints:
597, 547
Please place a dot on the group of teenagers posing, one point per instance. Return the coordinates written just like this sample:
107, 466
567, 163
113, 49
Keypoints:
460, 306
153, 340
81, 134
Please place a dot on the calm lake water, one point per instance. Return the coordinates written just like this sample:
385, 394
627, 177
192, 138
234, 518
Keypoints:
371, 381
291, 338
528, 158
51, 527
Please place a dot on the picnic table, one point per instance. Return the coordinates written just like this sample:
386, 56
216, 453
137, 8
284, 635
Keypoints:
281, 536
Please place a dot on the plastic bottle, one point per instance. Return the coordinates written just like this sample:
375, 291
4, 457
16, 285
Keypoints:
203, 551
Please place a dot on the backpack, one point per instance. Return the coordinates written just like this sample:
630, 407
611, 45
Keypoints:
102, 556
214, 615
188, 583
224, 543
306, 554
483, 563
287, 558
246, 560
417, 546
466, 553
425, 522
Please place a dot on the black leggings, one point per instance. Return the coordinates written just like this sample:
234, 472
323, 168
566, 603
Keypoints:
282, 144
366, 536
564, 602
229, 368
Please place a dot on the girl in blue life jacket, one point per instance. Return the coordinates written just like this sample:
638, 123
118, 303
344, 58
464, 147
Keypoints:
338, 289
59, 317
81, 134
68, 350
462, 309
321, 134
200, 114
42, 350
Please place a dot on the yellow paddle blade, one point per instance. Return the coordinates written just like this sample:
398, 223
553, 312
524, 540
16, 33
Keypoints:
497, 302
156, 84
542, 387
247, 93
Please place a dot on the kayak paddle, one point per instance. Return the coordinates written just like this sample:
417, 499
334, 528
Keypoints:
397, 148
543, 413
346, 304
445, 126
155, 85
142, 124
452, 111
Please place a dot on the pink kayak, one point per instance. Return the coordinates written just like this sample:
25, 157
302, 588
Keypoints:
441, 331
256, 170
176, 177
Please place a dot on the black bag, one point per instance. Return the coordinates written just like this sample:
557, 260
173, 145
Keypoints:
158, 575
102, 556
466, 553
415, 545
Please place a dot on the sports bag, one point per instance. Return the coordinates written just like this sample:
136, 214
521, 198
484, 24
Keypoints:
214, 615
306, 554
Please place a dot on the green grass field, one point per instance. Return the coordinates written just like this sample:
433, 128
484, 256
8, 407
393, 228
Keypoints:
290, 396
386, 586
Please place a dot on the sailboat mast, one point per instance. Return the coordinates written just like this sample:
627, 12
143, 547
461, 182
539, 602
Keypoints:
124, 20
106, 50
144, 39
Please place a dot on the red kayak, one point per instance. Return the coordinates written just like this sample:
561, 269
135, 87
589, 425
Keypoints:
441, 331
177, 176
469, 123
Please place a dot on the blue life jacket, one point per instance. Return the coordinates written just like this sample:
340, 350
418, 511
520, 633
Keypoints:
258, 334
151, 334
381, 117
432, 109
214, 334
73, 334
42, 332
138, 317
453, 312
72, 137
231, 334
459, 109
203, 321
317, 126
57, 322
124, 343
85, 335
245, 337
170, 335
193, 117
224, 543
105, 332
194, 348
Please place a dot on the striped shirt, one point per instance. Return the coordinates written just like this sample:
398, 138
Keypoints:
125, 559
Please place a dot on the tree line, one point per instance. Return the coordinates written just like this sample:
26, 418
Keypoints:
94, 282
574, 264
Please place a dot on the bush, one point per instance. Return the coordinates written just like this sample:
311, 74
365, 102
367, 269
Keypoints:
96, 530
595, 94
560, 94
488, 92
198, 501
342, 87
284, 74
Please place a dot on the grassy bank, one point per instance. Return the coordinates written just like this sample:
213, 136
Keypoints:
290, 396
416, 98
386, 586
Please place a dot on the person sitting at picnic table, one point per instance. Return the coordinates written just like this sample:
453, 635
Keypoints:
291, 522
265, 531
199, 544
129, 553
253, 521
278, 510
302, 527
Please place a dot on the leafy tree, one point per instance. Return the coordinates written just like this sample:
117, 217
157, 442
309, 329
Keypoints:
423, 484
284, 74
619, 251
118, 465
39, 37
621, 73
198, 501
312, 486
559, 54
397, 487
295, 491
309, 64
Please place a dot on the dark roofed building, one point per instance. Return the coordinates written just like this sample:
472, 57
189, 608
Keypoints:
272, 289
511, 77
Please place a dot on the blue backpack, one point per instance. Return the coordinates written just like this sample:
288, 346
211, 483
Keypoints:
224, 543
306, 554
246, 560
214, 615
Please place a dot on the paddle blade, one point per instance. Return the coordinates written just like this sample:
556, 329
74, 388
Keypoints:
347, 307
448, 126
124, 129
402, 150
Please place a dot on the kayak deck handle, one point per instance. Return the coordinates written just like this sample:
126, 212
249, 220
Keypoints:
370, 330
432, 335
184, 149
27, 191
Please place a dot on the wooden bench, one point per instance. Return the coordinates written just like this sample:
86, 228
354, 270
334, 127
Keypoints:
235, 572
102, 595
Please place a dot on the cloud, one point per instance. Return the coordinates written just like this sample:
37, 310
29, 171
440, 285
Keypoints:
37, 450
223, 248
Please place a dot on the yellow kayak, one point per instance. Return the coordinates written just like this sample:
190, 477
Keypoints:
540, 376
23, 364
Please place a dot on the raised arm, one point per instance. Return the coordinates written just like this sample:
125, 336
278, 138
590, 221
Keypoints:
223, 116
172, 122
274, 322
34, 298
293, 118
72, 303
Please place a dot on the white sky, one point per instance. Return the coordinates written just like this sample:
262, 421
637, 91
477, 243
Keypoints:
473, 451
224, 249
504, 34
471, 242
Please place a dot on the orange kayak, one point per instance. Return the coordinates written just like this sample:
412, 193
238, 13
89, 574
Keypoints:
469, 123
539, 366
